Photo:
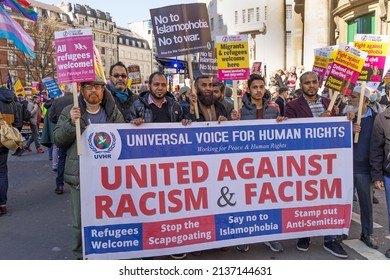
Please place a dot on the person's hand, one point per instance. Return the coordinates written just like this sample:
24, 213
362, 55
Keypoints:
281, 118
75, 114
222, 119
235, 115
186, 122
327, 113
193, 102
350, 116
379, 185
137, 121
356, 128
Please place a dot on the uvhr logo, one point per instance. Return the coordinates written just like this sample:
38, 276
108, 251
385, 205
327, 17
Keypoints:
101, 143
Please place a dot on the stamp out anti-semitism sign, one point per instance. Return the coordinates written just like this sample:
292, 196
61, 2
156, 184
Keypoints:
181, 29
161, 189
74, 55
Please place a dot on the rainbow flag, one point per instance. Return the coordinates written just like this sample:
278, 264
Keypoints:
21, 6
10, 29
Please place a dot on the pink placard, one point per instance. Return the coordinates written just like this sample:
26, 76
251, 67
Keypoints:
74, 56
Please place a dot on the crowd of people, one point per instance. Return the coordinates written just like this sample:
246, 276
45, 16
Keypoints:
295, 95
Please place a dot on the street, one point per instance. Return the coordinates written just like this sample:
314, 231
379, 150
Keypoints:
38, 223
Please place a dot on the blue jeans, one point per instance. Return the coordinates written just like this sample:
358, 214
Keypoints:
61, 166
362, 183
3, 176
387, 189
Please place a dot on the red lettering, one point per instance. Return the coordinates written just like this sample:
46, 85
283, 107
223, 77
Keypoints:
174, 198
182, 173
310, 188
117, 178
292, 165
167, 174
103, 204
282, 191
245, 172
226, 170
313, 163
126, 205
131, 173
197, 203
265, 167
329, 160
267, 192
334, 191
197, 175
143, 204
249, 193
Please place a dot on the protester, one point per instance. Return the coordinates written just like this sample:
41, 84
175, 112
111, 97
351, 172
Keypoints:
47, 138
361, 164
256, 106
282, 99
123, 96
311, 104
35, 120
157, 106
96, 105
219, 94
184, 101
210, 109
19, 126
8, 110
291, 79
54, 114
379, 158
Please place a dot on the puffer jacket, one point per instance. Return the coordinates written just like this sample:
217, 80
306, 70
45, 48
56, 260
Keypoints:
65, 134
380, 146
141, 109
248, 110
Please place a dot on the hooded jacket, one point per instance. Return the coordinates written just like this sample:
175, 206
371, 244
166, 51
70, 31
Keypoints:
248, 110
65, 134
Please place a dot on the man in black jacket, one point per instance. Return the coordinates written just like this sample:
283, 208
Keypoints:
123, 97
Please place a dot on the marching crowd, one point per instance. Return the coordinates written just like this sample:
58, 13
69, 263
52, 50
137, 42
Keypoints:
288, 95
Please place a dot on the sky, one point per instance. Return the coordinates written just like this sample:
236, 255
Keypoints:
124, 11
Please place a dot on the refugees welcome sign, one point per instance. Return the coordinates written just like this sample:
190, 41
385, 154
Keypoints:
181, 29
161, 189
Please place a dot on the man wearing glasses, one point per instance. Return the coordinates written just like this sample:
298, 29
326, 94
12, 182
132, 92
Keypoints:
95, 106
123, 96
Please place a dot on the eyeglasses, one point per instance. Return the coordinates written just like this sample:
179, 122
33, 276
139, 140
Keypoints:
90, 87
123, 76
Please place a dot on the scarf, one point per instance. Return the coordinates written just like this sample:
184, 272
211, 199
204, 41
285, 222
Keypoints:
123, 95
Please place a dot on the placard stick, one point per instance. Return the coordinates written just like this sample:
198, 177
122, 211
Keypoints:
359, 116
330, 92
333, 100
78, 130
192, 83
235, 97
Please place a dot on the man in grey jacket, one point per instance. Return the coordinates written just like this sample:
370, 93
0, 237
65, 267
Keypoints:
96, 105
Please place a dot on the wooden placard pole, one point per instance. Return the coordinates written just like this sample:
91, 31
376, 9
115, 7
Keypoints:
359, 116
78, 129
235, 97
333, 100
193, 90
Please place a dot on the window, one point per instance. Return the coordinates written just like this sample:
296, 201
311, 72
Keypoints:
243, 16
212, 24
251, 15
288, 11
257, 14
103, 51
364, 24
81, 21
220, 21
265, 12
235, 17
12, 60
120, 40
127, 42
102, 38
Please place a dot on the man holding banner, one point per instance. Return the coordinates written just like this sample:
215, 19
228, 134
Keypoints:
95, 106
311, 104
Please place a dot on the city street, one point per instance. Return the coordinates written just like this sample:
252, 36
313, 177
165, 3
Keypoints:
38, 225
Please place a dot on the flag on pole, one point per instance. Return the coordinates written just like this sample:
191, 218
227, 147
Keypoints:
10, 29
10, 84
19, 89
21, 6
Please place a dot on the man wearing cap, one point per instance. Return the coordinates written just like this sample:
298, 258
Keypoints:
123, 96
184, 100
219, 94
96, 105
361, 163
